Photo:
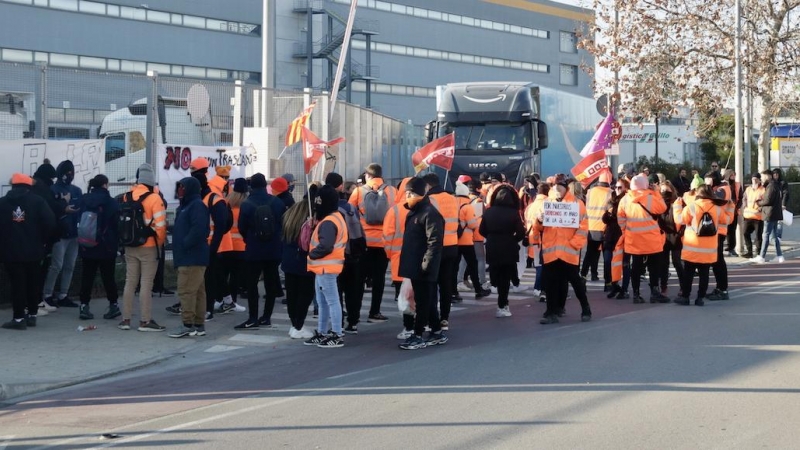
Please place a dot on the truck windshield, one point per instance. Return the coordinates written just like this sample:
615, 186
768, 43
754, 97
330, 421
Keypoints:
480, 137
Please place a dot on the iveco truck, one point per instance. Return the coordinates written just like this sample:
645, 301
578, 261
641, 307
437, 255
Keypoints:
497, 125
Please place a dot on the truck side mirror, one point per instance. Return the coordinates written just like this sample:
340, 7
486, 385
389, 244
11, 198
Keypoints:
429, 130
541, 135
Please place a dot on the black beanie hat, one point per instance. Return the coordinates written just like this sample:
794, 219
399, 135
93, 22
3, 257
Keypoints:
46, 171
416, 185
327, 201
240, 185
258, 181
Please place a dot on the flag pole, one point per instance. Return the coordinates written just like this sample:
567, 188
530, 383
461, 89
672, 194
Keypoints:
308, 195
283, 151
446, 178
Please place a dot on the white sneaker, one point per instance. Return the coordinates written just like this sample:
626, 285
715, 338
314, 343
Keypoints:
405, 334
294, 333
758, 260
502, 312
779, 259
239, 308
487, 285
462, 287
305, 333
42, 312
44, 306
518, 289
217, 305
537, 293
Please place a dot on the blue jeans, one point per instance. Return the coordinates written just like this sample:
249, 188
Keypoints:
65, 252
772, 227
330, 310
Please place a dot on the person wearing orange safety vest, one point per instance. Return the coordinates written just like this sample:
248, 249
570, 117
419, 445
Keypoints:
477, 204
720, 268
596, 201
561, 250
535, 238
467, 224
446, 204
374, 262
326, 259
699, 252
394, 226
737, 194
642, 235
753, 218
219, 240
233, 266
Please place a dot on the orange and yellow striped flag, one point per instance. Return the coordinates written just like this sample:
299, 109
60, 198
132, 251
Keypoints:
294, 133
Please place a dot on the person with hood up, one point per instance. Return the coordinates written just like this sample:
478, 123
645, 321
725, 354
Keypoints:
326, 260
772, 210
26, 224
102, 254
280, 189
503, 229
65, 250
190, 255
642, 235
420, 261
141, 263
42, 184
561, 250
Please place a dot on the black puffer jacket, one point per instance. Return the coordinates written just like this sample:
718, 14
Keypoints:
26, 226
613, 231
771, 206
423, 241
503, 228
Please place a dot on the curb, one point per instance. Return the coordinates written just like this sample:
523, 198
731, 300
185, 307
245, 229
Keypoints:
785, 251
9, 391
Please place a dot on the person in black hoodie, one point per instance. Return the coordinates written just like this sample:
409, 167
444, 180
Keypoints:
102, 253
26, 224
503, 229
772, 210
420, 258
42, 182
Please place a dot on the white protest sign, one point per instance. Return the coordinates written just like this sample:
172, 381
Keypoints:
562, 214
25, 156
173, 164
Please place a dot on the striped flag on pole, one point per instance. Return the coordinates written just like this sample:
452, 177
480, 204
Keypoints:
294, 133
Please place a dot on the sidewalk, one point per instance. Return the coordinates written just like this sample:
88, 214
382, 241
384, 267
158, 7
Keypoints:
55, 355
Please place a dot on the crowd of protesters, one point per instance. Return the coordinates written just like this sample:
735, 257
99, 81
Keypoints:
340, 240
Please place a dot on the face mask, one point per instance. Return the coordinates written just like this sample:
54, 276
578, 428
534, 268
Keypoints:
291, 188
68, 177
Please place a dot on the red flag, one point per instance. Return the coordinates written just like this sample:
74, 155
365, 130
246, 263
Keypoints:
314, 148
294, 132
439, 152
590, 167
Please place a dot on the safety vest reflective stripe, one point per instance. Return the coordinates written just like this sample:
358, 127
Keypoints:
374, 240
561, 248
699, 249
617, 262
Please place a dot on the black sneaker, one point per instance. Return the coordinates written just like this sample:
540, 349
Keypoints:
456, 299
682, 301
436, 339
85, 314
225, 308
657, 297
547, 320
66, 303
209, 316
174, 309
377, 318
30, 321
586, 317
15, 325
316, 339
613, 290
351, 329
113, 312
265, 322
413, 342
332, 340
483, 293
623, 295
699, 302
249, 324
718, 295
562, 313
637, 298
51, 302
595, 278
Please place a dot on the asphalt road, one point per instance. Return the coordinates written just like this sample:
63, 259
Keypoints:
636, 376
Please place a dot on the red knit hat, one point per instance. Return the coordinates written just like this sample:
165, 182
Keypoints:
279, 185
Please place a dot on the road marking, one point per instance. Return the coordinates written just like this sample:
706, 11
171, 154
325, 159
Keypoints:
336, 377
765, 348
222, 348
258, 338
5, 441
766, 314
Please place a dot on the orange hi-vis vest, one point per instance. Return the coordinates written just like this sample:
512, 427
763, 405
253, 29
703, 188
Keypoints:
697, 249
333, 263
394, 226
596, 201
730, 208
154, 213
677, 209
564, 243
467, 220
226, 244
477, 207
751, 198
372, 233
401, 191
640, 231
237, 240
447, 206
531, 212
617, 258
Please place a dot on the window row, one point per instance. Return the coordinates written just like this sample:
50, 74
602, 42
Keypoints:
122, 65
450, 56
568, 75
143, 13
395, 89
448, 17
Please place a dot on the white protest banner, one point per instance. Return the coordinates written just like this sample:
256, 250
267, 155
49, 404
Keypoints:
562, 214
25, 156
173, 164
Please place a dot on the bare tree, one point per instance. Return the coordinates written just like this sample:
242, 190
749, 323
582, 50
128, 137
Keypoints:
672, 53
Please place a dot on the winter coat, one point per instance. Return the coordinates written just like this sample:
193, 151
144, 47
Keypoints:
673, 235
68, 223
42, 188
771, 206
423, 240
503, 229
613, 231
107, 207
192, 225
26, 226
287, 199
256, 249
295, 260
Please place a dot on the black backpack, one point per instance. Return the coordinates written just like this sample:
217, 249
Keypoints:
706, 226
132, 229
229, 225
264, 222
